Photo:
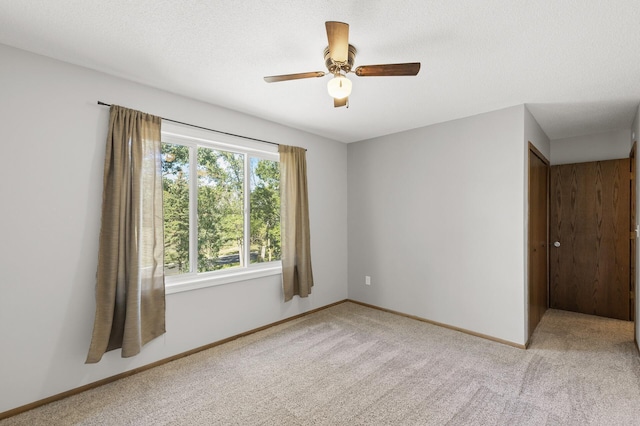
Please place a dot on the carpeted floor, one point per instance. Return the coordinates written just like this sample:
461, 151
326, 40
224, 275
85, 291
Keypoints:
351, 365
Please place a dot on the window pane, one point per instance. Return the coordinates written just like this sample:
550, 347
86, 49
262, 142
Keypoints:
220, 207
175, 184
265, 210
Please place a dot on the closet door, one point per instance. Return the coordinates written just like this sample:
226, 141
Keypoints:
589, 235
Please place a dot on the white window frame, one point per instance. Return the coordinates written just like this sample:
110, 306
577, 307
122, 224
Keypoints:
195, 137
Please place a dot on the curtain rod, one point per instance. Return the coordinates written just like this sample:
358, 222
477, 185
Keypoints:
206, 128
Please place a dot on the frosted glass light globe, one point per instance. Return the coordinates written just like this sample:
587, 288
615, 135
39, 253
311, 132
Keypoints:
339, 87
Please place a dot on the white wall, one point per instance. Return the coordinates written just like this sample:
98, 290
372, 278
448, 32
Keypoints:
436, 219
533, 133
598, 147
53, 141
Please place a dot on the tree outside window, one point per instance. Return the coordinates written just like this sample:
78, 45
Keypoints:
229, 188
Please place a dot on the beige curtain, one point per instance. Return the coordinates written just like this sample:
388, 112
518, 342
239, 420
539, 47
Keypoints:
130, 299
297, 277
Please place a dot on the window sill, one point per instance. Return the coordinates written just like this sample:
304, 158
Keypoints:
194, 282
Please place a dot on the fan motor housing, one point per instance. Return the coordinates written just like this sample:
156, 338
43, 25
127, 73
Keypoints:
336, 67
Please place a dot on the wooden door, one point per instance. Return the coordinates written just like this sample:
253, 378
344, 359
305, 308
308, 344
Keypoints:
632, 240
538, 236
589, 235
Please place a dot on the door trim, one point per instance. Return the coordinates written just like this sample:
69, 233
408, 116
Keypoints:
633, 243
535, 151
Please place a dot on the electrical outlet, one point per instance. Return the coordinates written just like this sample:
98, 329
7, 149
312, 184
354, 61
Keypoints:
367, 280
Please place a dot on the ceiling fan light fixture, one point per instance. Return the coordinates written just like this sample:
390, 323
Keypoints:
339, 87
339, 57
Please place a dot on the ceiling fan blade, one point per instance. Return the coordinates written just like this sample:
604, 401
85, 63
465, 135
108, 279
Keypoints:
410, 68
340, 102
338, 36
285, 77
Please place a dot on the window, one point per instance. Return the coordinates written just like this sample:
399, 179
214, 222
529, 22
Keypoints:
221, 208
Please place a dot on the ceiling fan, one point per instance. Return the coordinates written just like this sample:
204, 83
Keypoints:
339, 57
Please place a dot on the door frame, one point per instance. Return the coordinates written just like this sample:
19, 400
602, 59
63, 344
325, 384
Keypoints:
535, 151
632, 242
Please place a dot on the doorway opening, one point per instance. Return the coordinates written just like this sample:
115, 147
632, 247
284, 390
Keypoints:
582, 237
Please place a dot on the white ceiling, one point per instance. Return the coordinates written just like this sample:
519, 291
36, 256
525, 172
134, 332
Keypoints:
576, 63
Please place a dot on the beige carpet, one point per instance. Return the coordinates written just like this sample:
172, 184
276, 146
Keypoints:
351, 365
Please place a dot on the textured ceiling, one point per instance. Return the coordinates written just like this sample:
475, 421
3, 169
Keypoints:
575, 63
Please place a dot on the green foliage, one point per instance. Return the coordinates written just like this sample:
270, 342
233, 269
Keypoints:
265, 209
220, 205
175, 159
175, 184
